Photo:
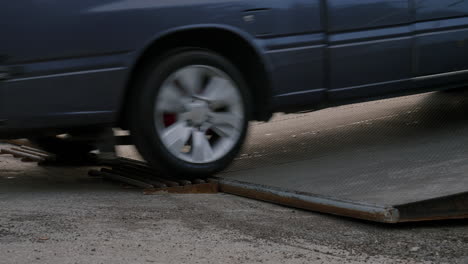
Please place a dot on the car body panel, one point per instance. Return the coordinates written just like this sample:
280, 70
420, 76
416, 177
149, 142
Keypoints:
354, 15
441, 26
366, 39
436, 10
92, 32
70, 61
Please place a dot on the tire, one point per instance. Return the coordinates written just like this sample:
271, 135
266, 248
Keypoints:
175, 126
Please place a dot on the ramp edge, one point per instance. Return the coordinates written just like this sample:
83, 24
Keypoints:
308, 201
453, 206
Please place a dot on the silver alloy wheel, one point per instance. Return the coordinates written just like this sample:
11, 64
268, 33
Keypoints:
199, 114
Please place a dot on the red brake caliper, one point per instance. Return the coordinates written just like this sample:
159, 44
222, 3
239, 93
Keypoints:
169, 119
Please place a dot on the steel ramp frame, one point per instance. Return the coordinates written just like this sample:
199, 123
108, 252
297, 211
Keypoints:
448, 207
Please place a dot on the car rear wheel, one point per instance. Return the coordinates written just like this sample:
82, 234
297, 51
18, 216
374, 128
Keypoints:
190, 113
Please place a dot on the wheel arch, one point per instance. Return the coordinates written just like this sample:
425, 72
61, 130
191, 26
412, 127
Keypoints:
232, 43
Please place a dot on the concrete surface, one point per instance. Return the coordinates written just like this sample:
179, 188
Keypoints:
61, 215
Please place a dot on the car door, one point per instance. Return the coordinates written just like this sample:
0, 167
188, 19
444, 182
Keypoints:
296, 48
441, 40
370, 47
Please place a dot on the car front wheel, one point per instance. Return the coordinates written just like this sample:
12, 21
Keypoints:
190, 113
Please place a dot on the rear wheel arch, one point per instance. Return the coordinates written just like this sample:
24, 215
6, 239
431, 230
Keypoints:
229, 44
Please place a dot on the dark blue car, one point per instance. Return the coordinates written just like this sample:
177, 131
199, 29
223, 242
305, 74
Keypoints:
186, 76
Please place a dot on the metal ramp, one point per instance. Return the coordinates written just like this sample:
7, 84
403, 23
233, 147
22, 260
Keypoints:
397, 160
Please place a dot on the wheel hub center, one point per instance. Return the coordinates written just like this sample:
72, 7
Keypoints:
198, 112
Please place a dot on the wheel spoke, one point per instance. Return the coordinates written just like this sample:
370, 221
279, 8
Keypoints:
220, 92
228, 119
176, 136
225, 124
170, 100
191, 80
199, 113
201, 148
